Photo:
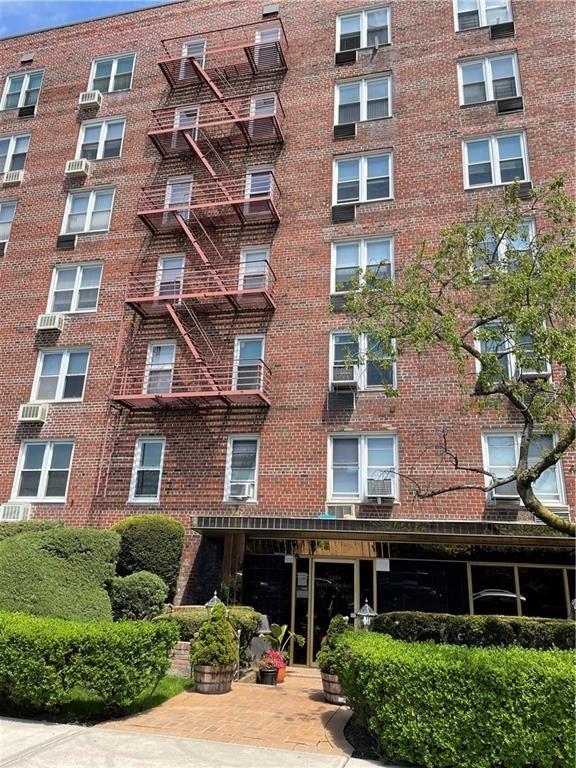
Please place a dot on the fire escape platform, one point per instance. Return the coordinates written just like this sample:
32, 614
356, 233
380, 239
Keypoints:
236, 210
224, 398
215, 301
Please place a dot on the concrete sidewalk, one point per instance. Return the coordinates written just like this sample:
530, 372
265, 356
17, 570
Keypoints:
28, 744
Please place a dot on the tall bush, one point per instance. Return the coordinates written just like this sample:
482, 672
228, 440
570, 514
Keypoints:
60, 572
138, 596
43, 662
150, 543
441, 706
216, 644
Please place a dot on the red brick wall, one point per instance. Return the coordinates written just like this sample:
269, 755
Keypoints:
425, 135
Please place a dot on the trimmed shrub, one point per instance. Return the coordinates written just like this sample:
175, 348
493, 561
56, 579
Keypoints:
216, 644
244, 620
326, 656
27, 526
137, 596
60, 572
478, 631
44, 661
150, 543
442, 706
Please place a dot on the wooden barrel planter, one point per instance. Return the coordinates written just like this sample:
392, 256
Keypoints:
213, 679
332, 689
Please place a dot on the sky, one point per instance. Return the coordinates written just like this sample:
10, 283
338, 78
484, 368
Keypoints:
18, 16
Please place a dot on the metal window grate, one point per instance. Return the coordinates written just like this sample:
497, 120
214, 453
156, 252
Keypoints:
345, 131
343, 213
499, 31
505, 106
345, 57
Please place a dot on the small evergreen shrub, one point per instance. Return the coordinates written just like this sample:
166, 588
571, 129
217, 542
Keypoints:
326, 658
216, 644
138, 596
59, 572
27, 526
442, 706
478, 631
43, 661
150, 543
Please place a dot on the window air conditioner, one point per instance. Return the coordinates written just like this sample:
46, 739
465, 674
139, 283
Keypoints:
241, 491
13, 177
341, 511
50, 322
89, 99
33, 412
77, 168
531, 374
10, 513
345, 377
379, 489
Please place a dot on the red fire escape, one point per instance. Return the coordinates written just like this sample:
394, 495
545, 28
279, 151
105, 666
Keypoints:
213, 125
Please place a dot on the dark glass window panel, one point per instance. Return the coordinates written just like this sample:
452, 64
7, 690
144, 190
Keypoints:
89, 151
87, 298
31, 97
350, 41
348, 190
470, 552
62, 301
29, 483
480, 173
377, 188
377, 108
147, 481
493, 590
73, 386
504, 88
512, 169
333, 596
474, 93
267, 586
122, 81
468, 20
57, 482
367, 582
301, 608
377, 376
377, 36
346, 278
18, 161
349, 113
379, 271
423, 586
101, 84
543, 590
112, 148
571, 584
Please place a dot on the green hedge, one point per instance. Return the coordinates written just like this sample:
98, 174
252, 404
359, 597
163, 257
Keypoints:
150, 543
61, 572
138, 596
443, 706
44, 661
479, 631
27, 526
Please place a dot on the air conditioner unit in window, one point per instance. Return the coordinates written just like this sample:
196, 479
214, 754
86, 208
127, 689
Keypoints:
379, 489
50, 322
13, 177
10, 513
241, 491
506, 496
341, 511
77, 167
532, 375
90, 99
33, 412
345, 377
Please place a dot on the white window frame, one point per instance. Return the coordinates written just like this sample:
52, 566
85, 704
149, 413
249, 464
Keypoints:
362, 438
228, 471
158, 280
13, 139
500, 254
363, 13
514, 369
237, 340
256, 171
6, 202
151, 368
132, 498
114, 58
89, 211
517, 435
65, 352
243, 272
184, 55
363, 177
27, 75
103, 123
495, 158
481, 5
364, 96
362, 244
41, 497
487, 75
363, 385
76, 289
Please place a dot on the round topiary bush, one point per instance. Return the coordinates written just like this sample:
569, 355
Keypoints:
150, 543
216, 644
137, 596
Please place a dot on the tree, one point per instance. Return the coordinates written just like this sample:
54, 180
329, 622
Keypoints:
498, 299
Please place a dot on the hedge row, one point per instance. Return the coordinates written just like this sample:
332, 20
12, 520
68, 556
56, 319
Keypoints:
44, 661
479, 631
138, 596
442, 706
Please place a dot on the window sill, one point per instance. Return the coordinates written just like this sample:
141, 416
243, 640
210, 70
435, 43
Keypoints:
366, 48
56, 402
496, 186
71, 313
149, 501
35, 501
368, 120
375, 200
239, 502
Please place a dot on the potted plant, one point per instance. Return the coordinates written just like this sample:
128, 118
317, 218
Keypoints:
214, 653
279, 638
326, 658
269, 665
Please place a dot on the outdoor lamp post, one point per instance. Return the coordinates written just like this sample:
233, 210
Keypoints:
214, 600
366, 614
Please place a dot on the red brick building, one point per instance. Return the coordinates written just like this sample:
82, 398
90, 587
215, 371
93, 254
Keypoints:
167, 294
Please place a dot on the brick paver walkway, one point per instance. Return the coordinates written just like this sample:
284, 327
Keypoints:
292, 716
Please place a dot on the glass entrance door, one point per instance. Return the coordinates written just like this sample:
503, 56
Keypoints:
334, 592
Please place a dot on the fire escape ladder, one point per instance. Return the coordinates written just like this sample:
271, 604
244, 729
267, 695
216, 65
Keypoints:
191, 346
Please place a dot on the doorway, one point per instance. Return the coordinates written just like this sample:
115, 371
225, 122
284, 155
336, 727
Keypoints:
335, 587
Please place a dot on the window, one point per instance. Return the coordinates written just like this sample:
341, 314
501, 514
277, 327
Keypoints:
88, 211
75, 288
254, 268
353, 259
7, 208
516, 357
471, 14
101, 140
355, 459
487, 79
248, 363
22, 89
366, 355
60, 375
147, 469
13, 151
501, 452
159, 367
358, 100
498, 250
179, 195
495, 160
363, 29
241, 469
361, 179
194, 49
170, 275
113, 73
43, 471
